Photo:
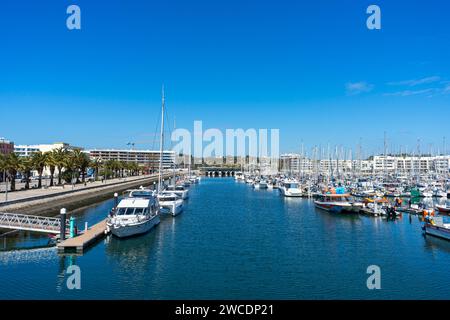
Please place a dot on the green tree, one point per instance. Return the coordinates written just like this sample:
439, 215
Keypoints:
2, 165
96, 164
82, 162
39, 161
25, 167
12, 166
60, 156
51, 163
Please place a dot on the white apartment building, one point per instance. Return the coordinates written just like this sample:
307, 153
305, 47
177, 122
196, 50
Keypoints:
378, 165
149, 158
28, 150
409, 165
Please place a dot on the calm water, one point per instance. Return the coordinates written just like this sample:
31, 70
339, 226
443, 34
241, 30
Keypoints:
233, 242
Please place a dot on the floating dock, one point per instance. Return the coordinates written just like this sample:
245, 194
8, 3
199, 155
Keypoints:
79, 243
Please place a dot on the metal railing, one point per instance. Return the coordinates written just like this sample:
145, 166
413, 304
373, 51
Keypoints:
30, 223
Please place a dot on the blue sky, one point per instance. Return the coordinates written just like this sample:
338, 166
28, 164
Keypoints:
310, 68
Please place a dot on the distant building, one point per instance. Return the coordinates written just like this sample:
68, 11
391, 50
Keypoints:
28, 150
147, 158
6, 146
377, 165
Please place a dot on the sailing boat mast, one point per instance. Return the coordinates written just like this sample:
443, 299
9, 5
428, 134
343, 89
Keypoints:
161, 143
175, 157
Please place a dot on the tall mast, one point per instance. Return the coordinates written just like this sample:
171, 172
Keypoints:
161, 143
384, 161
175, 157
420, 159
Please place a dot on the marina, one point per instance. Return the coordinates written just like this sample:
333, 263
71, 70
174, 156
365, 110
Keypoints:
216, 235
217, 159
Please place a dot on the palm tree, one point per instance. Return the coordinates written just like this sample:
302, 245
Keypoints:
39, 161
82, 162
51, 163
60, 156
122, 167
134, 168
12, 165
25, 167
96, 163
2, 165
112, 166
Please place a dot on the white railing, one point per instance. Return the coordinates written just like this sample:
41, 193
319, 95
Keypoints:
30, 223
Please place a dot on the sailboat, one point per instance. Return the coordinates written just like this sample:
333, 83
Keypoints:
179, 189
168, 200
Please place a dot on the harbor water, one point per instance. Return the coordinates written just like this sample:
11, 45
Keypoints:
234, 242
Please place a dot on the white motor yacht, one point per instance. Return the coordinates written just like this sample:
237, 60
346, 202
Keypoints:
169, 201
290, 189
134, 215
179, 190
239, 176
261, 184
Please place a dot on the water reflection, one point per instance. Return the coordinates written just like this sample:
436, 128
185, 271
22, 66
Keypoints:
28, 256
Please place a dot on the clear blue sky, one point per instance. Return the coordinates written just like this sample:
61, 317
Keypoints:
310, 68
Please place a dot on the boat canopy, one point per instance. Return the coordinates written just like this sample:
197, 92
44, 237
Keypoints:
134, 203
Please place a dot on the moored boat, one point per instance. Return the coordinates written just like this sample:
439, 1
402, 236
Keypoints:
336, 203
443, 208
134, 215
290, 189
435, 226
168, 201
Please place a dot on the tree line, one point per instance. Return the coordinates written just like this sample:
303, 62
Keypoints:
69, 165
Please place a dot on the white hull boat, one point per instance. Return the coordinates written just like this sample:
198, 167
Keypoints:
134, 215
133, 226
290, 189
170, 203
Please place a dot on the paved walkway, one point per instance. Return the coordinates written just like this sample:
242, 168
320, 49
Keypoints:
26, 195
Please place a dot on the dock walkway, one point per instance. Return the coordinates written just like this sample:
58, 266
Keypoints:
25, 222
79, 243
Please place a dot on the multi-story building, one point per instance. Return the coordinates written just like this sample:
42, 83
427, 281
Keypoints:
6, 146
378, 165
411, 165
147, 158
290, 163
28, 150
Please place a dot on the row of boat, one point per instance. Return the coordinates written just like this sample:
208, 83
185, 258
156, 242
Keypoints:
374, 201
140, 209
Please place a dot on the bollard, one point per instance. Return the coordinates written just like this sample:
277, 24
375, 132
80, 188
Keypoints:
116, 200
86, 227
72, 227
62, 229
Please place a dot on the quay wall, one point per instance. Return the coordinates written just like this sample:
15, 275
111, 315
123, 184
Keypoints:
49, 205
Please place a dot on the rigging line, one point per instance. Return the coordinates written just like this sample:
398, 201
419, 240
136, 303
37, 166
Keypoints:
169, 129
156, 130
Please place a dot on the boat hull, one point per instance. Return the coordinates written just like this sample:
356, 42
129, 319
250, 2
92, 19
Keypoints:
174, 208
445, 210
261, 186
437, 231
333, 207
124, 231
290, 192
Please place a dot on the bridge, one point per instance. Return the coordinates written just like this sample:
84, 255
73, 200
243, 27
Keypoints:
24, 222
219, 171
